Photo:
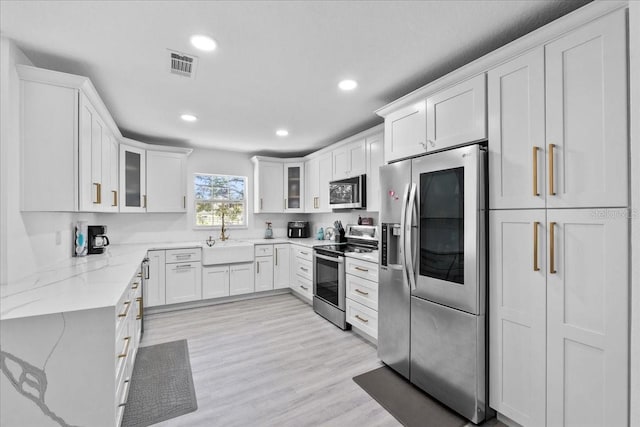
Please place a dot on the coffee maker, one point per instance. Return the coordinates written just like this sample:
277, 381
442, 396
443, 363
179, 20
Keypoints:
98, 240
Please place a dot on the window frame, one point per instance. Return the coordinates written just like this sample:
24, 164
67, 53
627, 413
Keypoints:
244, 201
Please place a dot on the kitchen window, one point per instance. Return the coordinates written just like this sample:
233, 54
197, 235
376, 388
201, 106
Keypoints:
217, 196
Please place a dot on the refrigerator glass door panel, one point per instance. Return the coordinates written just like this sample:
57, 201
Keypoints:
394, 185
449, 233
448, 356
394, 319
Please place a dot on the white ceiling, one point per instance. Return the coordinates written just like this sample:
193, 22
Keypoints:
277, 63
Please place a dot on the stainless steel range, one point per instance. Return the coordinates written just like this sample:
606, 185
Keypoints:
329, 287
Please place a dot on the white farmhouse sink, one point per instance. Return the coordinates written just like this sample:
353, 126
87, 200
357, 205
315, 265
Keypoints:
227, 252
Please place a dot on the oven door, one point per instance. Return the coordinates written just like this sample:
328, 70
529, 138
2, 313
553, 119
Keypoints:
448, 226
329, 280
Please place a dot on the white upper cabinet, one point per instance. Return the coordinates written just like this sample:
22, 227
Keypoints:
66, 142
405, 132
349, 160
586, 116
133, 197
317, 177
267, 191
166, 181
516, 133
457, 115
293, 187
375, 159
110, 167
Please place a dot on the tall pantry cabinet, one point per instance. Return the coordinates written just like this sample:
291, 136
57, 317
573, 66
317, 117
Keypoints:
559, 220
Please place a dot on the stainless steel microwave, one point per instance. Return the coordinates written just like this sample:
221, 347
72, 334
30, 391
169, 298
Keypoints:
349, 193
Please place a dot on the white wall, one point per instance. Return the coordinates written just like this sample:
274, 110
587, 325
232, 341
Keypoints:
28, 240
634, 114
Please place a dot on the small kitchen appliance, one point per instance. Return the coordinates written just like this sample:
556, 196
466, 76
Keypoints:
98, 240
329, 280
298, 229
349, 193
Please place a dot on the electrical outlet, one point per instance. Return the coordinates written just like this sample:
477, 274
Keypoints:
58, 237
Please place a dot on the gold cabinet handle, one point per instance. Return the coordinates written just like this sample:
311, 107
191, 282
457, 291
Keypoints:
126, 310
98, 199
126, 347
304, 269
276, 256
258, 266
285, 204
535, 171
184, 202
536, 267
361, 292
135, 285
115, 198
144, 203
552, 249
552, 192
360, 268
361, 319
304, 287
261, 204
139, 316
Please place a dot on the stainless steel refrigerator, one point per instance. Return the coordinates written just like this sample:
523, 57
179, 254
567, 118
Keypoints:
432, 291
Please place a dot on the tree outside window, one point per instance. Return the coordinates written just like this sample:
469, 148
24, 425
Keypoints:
216, 195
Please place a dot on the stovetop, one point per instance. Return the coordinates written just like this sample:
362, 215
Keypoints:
342, 248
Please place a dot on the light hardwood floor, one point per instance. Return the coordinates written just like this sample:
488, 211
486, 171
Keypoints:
271, 362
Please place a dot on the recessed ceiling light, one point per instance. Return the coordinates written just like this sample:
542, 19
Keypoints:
282, 132
188, 117
205, 43
348, 84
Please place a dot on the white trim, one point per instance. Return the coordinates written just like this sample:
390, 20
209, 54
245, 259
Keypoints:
153, 147
364, 134
532, 40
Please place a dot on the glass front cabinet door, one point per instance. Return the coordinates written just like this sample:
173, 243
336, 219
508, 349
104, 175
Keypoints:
293, 187
133, 197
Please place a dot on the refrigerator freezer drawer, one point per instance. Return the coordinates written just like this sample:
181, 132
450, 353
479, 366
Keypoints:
448, 357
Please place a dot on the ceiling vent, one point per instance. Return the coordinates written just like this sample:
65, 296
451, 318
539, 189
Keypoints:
182, 64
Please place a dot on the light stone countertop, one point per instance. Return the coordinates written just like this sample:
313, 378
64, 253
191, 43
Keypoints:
96, 281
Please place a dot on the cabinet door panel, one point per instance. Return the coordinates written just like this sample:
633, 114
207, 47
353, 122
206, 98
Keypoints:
183, 282
109, 172
405, 132
294, 187
264, 274
586, 115
215, 281
281, 266
90, 154
312, 185
517, 316
133, 174
587, 331
457, 115
154, 288
166, 182
241, 280
516, 128
340, 163
357, 158
269, 194
324, 176
375, 154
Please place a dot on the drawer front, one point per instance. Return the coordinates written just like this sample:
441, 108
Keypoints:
304, 268
362, 317
366, 270
303, 252
183, 255
263, 250
303, 287
363, 291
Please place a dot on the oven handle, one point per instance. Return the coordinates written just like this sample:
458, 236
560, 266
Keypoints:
339, 260
408, 231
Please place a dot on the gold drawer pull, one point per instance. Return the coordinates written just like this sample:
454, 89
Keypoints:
144, 198
552, 192
361, 292
536, 267
304, 287
535, 171
552, 250
135, 285
115, 198
140, 308
126, 310
126, 348
304, 269
361, 269
361, 319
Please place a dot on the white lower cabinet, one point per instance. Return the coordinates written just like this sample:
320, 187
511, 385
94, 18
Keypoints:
241, 279
559, 316
183, 282
362, 295
154, 287
264, 273
215, 281
281, 266
302, 271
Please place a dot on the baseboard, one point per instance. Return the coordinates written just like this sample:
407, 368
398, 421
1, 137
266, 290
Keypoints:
214, 301
506, 420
